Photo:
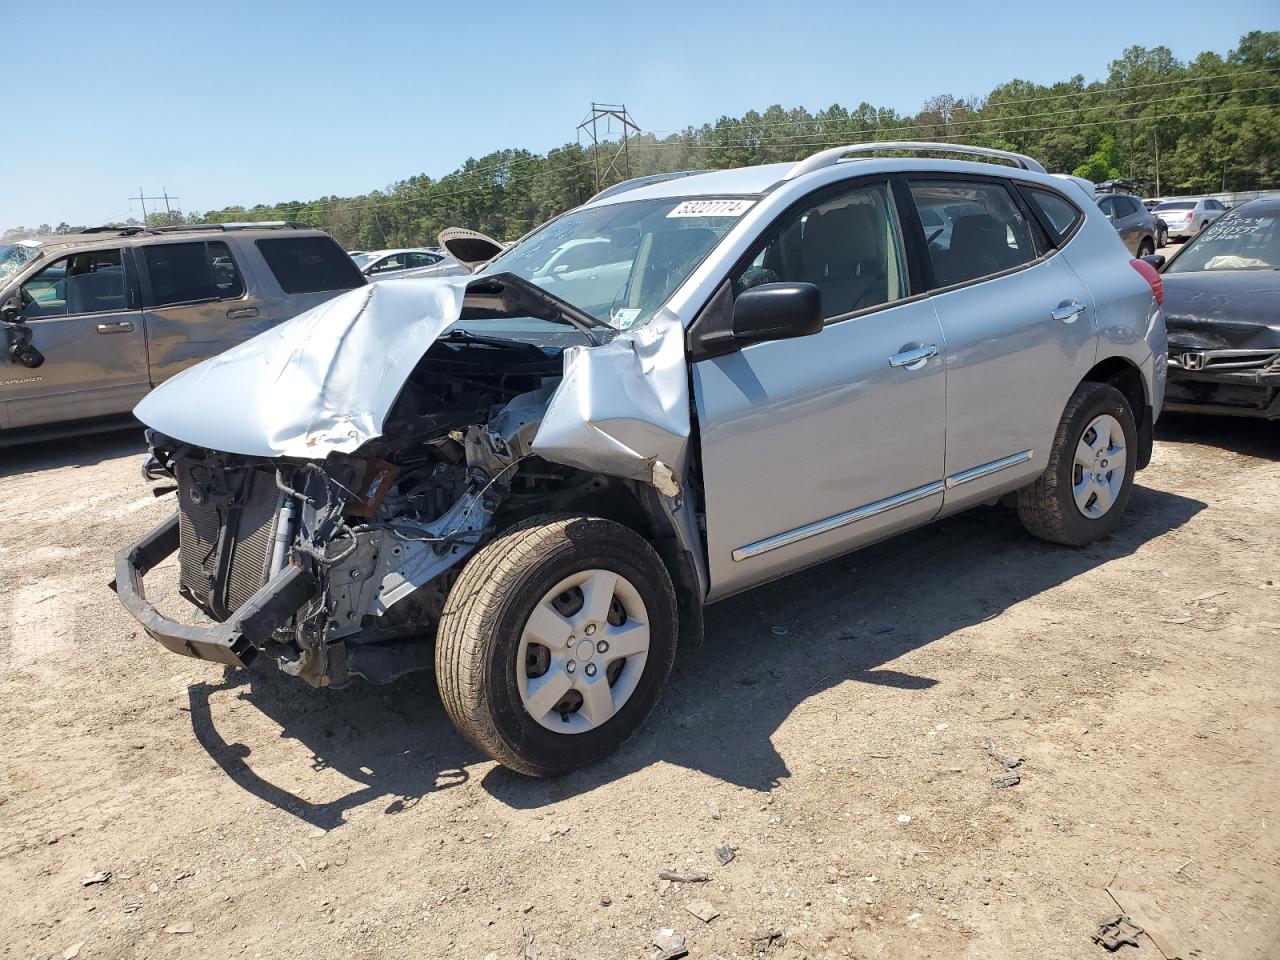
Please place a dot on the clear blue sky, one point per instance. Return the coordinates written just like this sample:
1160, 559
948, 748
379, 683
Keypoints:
254, 102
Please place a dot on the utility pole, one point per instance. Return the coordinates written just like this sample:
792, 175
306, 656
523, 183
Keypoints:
142, 199
608, 112
1155, 136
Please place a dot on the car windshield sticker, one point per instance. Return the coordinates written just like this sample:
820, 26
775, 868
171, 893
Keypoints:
711, 208
625, 317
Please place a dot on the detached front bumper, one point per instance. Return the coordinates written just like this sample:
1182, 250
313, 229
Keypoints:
1237, 393
235, 642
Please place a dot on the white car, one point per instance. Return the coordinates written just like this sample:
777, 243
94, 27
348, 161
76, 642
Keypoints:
1188, 216
385, 264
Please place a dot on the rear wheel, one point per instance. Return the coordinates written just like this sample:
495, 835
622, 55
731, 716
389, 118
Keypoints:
1086, 485
555, 643
1163, 239
1145, 249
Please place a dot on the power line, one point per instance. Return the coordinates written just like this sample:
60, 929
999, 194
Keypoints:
783, 141
432, 195
1101, 90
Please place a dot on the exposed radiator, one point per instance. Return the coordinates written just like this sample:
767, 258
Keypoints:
248, 538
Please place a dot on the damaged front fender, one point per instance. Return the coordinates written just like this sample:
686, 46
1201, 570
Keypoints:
623, 408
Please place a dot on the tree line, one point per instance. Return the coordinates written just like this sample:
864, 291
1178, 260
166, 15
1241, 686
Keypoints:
1211, 123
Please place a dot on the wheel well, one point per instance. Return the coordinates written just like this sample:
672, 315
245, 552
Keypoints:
635, 504
1127, 378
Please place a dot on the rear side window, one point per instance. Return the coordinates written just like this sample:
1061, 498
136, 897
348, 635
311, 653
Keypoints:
192, 272
1059, 214
309, 264
983, 231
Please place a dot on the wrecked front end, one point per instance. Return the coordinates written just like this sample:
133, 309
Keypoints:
341, 471
1224, 343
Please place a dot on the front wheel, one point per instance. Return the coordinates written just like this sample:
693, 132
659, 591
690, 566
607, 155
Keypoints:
555, 642
1086, 485
1163, 239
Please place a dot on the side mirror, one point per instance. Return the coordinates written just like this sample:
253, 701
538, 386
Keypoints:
777, 311
1155, 259
11, 310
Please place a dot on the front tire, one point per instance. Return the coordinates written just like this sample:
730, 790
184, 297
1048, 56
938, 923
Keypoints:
555, 642
1086, 485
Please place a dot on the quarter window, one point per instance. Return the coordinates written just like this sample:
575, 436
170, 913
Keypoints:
309, 264
91, 282
192, 272
1059, 214
983, 230
847, 246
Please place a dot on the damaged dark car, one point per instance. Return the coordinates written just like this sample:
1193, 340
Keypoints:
1222, 311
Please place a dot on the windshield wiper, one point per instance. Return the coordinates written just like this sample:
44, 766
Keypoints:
515, 296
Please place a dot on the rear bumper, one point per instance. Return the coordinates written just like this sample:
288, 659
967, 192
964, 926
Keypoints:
1237, 393
235, 642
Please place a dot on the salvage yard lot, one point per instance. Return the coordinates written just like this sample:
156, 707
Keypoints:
830, 729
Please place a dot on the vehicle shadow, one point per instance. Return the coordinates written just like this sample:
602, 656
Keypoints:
395, 741
81, 451
1253, 438
765, 653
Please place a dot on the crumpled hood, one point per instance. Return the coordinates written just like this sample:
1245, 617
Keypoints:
1229, 309
322, 382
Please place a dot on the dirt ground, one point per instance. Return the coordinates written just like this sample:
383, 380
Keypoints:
830, 731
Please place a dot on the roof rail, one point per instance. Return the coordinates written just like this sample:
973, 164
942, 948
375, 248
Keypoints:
829, 158
637, 182
261, 225
120, 231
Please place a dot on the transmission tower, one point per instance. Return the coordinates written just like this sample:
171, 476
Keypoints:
605, 157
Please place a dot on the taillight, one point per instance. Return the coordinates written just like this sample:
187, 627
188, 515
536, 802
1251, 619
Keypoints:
1152, 277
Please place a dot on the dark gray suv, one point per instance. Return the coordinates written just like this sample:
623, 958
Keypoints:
90, 322
1134, 222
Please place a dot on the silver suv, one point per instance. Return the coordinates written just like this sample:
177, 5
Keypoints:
536, 488
90, 322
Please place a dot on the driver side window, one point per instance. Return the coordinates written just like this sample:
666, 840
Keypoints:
91, 282
848, 246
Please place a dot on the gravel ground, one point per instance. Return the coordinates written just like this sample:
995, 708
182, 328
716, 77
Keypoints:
829, 732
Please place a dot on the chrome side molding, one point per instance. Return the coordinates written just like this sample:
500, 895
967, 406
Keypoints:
986, 469
836, 522
880, 506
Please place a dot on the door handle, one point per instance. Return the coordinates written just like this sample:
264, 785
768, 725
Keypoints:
119, 326
913, 359
1067, 311
242, 313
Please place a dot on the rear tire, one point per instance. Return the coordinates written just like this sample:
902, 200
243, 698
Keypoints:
1163, 239
1145, 249
494, 645
1083, 491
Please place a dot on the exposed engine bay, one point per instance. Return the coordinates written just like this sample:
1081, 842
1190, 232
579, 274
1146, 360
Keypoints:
339, 564
377, 529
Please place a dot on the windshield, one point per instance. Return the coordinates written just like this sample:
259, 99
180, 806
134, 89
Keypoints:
1233, 242
364, 259
621, 262
14, 256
